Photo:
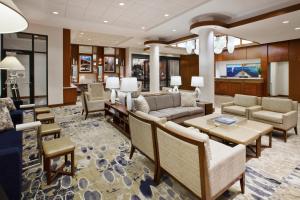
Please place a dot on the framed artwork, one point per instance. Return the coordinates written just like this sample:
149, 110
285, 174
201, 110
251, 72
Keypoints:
85, 63
109, 64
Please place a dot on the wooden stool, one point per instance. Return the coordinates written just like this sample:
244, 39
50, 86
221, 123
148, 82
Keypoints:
45, 118
41, 110
57, 148
46, 130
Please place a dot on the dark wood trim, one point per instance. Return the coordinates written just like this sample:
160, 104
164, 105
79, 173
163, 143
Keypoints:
188, 37
66, 57
149, 42
209, 23
56, 105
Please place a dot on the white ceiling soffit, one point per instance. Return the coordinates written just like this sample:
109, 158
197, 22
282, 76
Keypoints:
125, 22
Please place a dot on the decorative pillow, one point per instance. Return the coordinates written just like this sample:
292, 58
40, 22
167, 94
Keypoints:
5, 119
141, 104
188, 100
8, 102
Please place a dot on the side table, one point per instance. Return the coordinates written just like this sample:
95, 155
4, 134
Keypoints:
208, 106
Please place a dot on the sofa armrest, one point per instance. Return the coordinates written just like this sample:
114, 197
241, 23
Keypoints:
290, 119
251, 110
11, 172
27, 106
225, 105
225, 170
28, 126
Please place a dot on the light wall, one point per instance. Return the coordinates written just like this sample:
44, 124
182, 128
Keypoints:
55, 60
221, 65
279, 78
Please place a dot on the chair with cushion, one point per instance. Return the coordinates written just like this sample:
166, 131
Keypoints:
91, 105
95, 92
141, 127
281, 113
206, 167
240, 105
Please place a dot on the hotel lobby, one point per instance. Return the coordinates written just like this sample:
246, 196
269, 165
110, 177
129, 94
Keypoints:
161, 99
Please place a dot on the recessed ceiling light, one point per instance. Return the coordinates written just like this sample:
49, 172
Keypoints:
121, 4
174, 30
55, 13
166, 15
143, 27
297, 28
105, 21
286, 22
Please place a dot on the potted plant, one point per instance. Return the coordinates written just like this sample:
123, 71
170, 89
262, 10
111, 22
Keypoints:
259, 71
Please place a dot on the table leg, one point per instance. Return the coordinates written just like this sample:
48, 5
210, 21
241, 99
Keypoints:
258, 147
270, 139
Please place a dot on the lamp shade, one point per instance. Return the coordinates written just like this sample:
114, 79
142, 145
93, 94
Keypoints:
11, 18
129, 84
112, 82
175, 80
197, 81
11, 63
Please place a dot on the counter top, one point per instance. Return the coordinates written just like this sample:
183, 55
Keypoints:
236, 79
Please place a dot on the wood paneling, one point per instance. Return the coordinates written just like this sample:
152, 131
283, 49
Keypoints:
228, 87
294, 69
238, 54
189, 66
66, 57
278, 52
70, 96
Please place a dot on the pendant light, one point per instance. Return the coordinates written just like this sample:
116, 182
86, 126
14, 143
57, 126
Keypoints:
11, 18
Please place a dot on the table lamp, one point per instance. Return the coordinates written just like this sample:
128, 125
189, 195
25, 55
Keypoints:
112, 83
129, 85
197, 82
175, 81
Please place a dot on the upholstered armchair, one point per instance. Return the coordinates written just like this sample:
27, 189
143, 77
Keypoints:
206, 167
95, 92
240, 105
141, 127
91, 105
281, 113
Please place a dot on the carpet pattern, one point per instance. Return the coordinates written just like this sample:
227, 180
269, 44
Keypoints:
104, 171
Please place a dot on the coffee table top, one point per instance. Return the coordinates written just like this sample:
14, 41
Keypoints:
242, 132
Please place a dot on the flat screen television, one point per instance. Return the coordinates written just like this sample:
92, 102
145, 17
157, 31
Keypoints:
243, 70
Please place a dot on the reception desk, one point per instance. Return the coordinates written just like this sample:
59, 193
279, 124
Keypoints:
231, 86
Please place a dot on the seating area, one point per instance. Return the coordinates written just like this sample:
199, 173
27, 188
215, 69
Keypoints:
140, 100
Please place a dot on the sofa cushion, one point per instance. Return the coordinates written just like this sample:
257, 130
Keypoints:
269, 116
164, 101
238, 110
188, 100
5, 119
151, 117
141, 104
177, 112
176, 99
151, 102
277, 104
245, 100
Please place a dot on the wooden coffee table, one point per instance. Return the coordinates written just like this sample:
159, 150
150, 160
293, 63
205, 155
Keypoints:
244, 131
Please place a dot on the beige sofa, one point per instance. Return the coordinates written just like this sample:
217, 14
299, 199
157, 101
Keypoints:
206, 167
240, 105
281, 113
168, 106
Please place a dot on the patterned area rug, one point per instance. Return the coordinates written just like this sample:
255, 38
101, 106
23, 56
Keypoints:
104, 170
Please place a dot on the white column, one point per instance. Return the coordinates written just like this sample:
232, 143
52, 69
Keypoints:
206, 64
154, 68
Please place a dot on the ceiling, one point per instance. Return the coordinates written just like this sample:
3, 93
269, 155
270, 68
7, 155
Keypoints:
139, 20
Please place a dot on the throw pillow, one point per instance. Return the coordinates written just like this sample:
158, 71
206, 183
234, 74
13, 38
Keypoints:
8, 102
188, 100
141, 104
5, 119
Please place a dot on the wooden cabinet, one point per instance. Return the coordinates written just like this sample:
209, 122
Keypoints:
235, 86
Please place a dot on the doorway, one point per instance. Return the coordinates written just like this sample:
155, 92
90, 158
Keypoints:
279, 79
32, 51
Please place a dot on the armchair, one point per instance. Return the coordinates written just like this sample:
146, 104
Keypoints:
206, 167
240, 105
95, 92
281, 113
90, 105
